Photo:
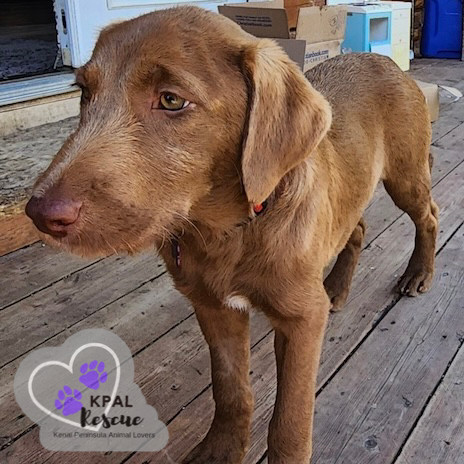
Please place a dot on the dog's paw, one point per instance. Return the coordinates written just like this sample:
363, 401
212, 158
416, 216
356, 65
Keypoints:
217, 449
415, 281
337, 292
337, 302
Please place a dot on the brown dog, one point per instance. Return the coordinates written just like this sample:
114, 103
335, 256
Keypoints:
210, 144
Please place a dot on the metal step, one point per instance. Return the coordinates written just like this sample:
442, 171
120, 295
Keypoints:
22, 90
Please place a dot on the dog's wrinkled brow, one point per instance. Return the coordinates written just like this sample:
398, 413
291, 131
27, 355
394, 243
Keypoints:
177, 78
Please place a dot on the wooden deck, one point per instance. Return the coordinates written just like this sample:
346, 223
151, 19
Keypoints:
391, 383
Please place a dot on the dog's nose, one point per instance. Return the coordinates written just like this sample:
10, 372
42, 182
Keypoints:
53, 216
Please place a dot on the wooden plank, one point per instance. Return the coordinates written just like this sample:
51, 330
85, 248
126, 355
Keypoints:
445, 161
33, 453
375, 399
453, 140
155, 306
451, 117
30, 322
438, 437
439, 72
30, 269
23, 156
16, 231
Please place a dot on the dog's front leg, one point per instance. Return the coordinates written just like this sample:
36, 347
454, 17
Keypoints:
227, 334
298, 342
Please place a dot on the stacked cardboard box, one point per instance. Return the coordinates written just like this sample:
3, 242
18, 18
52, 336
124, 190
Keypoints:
314, 35
292, 7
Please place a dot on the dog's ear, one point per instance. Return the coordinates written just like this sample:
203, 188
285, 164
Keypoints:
287, 118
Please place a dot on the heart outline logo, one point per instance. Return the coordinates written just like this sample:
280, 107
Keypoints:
69, 368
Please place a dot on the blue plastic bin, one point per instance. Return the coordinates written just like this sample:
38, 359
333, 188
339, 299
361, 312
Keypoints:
442, 31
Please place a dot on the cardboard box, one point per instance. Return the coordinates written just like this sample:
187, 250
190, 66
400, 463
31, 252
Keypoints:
323, 29
432, 97
319, 32
293, 6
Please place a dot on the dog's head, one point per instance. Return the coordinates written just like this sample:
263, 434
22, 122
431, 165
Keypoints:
184, 117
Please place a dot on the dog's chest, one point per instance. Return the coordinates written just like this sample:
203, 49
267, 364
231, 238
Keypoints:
222, 272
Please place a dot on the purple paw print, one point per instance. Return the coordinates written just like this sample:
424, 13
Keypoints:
93, 375
68, 401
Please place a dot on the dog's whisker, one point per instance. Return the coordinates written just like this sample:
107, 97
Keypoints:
162, 244
109, 244
195, 227
166, 235
131, 250
239, 173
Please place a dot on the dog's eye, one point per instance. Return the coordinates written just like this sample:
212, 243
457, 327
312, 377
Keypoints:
172, 102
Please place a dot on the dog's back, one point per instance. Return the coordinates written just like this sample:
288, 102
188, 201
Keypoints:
372, 99
367, 82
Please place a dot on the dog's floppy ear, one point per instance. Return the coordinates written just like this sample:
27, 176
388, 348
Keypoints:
287, 118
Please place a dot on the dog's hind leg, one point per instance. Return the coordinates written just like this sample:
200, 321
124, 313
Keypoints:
337, 283
412, 194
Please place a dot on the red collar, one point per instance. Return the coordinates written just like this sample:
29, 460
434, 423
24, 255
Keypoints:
175, 247
259, 208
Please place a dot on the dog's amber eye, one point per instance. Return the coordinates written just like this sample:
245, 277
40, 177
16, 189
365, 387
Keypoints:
172, 102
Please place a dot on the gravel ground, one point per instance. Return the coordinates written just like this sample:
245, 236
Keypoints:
24, 155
